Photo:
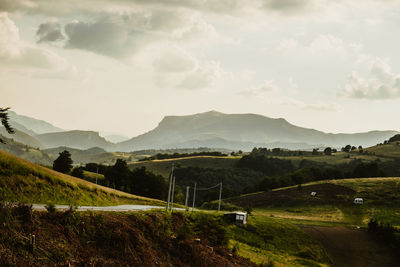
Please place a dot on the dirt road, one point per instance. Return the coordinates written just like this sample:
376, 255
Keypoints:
352, 247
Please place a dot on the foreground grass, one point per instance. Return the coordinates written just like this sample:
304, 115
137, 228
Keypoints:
110, 239
266, 239
22, 181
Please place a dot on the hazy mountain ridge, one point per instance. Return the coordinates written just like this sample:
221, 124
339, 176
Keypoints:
210, 129
242, 131
75, 139
33, 125
21, 137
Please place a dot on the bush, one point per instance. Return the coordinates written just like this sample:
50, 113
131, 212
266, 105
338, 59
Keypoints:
211, 227
51, 208
23, 212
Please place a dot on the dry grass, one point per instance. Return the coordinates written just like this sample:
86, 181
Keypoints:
22, 179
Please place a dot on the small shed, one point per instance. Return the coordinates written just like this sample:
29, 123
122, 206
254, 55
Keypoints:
313, 194
358, 200
236, 217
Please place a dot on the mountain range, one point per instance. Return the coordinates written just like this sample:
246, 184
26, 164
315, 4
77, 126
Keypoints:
210, 129
242, 131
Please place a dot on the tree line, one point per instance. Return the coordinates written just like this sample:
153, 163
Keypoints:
138, 181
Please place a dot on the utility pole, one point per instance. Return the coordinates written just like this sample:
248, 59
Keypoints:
187, 198
194, 195
220, 193
169, 188
173, 191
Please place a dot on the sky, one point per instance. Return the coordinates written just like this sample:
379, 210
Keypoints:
120, 66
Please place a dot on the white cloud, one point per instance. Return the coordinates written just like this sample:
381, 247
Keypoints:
174, 60
325, 45
16, 53
267, 86
28, 59
381, 83
206, 75
317, 106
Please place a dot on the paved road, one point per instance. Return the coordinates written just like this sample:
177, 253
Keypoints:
119, 208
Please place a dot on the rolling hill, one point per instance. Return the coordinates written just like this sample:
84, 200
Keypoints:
241, 131
75, 139
22, 137
94, 154
32, 154
163, 167
333, 201
22, 181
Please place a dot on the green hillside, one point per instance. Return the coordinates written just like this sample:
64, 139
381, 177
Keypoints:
26, 152
333, 202
387, 150
163, 167
22, 181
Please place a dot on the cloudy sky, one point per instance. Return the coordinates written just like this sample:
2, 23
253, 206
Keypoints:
120, 66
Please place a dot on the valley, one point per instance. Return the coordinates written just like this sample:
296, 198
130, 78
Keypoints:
287, 226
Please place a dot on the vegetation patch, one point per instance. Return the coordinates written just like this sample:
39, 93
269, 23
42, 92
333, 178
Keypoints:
24, 182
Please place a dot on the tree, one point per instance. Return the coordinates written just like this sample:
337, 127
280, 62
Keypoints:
63, 163
346, 148
118, 175
4, 121
77, 172
328, 151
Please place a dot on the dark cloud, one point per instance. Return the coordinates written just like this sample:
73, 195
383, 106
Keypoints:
49, 32
117, 35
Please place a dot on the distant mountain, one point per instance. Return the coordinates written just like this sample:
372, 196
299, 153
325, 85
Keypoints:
242, 131
75, 139
30, 125
21, 137
79, 156
115, 138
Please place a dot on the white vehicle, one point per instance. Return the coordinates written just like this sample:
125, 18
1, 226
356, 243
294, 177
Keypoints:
313, 194
358, 200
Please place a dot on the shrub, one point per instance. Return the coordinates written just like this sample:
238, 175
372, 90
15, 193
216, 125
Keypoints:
51, 208
211, 227
23, 212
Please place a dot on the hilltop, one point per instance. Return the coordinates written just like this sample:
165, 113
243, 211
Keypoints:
22, 181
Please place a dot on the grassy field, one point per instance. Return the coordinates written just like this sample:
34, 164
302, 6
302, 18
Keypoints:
334, 159
163, 167
22, 181
387, 150
266, 239
333, 202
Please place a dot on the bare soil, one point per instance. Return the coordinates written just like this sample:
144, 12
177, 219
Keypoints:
353, 247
